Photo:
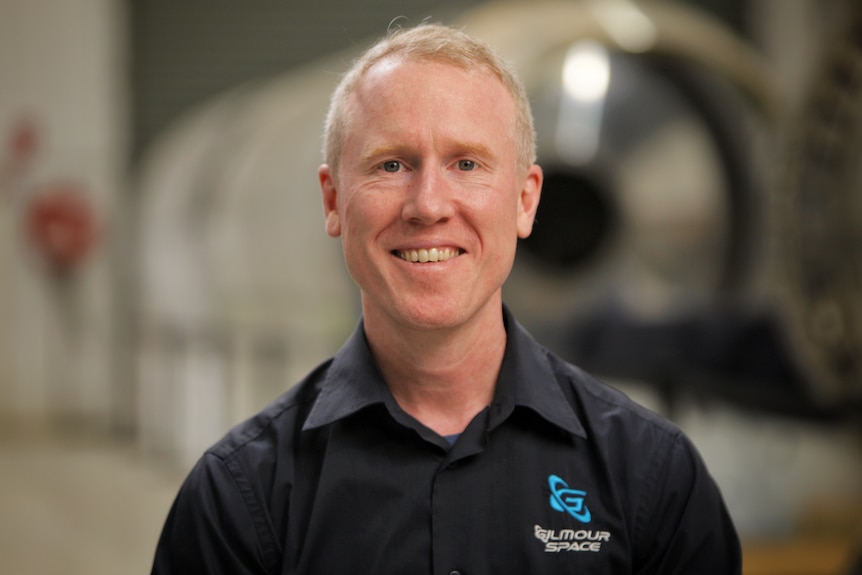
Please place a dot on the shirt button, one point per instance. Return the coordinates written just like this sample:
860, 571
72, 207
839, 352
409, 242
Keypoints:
454, 572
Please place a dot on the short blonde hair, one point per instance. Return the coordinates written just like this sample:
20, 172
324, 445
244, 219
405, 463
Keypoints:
439, 44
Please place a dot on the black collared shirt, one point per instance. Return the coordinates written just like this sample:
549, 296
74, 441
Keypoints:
559, 475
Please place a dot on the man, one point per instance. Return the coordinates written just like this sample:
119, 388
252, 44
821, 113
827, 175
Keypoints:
442, 439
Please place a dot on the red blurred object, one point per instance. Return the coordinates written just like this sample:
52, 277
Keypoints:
24, 141
61, 224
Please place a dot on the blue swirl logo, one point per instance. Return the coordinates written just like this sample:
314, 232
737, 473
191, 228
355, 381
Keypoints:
567, 500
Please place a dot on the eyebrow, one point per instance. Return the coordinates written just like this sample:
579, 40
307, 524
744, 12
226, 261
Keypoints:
471, 149
382, 152
461, 148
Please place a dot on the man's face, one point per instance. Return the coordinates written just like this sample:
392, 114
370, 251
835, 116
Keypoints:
429, 200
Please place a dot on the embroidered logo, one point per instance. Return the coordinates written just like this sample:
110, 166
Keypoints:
567, 500
570, 501
558, 540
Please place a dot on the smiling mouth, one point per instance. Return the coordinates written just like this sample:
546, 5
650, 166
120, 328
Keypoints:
428, 255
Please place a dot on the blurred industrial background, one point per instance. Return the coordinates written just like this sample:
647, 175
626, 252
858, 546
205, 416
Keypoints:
164, 271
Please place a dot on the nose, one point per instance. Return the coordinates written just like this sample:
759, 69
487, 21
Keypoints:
428, 198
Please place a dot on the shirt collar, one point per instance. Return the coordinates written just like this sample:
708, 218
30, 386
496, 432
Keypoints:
526, 379
352, 383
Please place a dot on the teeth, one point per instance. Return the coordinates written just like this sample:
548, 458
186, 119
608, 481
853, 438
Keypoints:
428, 255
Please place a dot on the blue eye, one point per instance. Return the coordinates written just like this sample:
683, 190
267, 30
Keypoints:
466, 165
391, 166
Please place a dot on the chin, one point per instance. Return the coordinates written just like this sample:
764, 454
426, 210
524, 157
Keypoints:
438, 314
427, 316
430, 320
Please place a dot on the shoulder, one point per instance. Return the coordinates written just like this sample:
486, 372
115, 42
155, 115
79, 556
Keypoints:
641, 448
605, 409
232, 504
274, 429
675, 507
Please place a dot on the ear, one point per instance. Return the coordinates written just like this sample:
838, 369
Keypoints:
330, 201
528, 201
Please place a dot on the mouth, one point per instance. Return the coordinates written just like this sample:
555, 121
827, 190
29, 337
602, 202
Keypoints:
425, 255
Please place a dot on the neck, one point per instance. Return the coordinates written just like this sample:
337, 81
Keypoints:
443, 378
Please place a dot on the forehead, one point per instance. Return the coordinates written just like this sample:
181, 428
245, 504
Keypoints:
403, 94
423, 71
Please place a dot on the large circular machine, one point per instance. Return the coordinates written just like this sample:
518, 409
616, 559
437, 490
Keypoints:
651, 120
651, 258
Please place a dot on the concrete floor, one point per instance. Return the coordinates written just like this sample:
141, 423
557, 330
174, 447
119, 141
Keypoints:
79, 505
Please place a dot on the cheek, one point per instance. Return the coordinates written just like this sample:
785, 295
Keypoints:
366, 214
501, 214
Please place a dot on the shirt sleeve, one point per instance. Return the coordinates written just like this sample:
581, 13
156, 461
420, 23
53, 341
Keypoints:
686, 527
213, 526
